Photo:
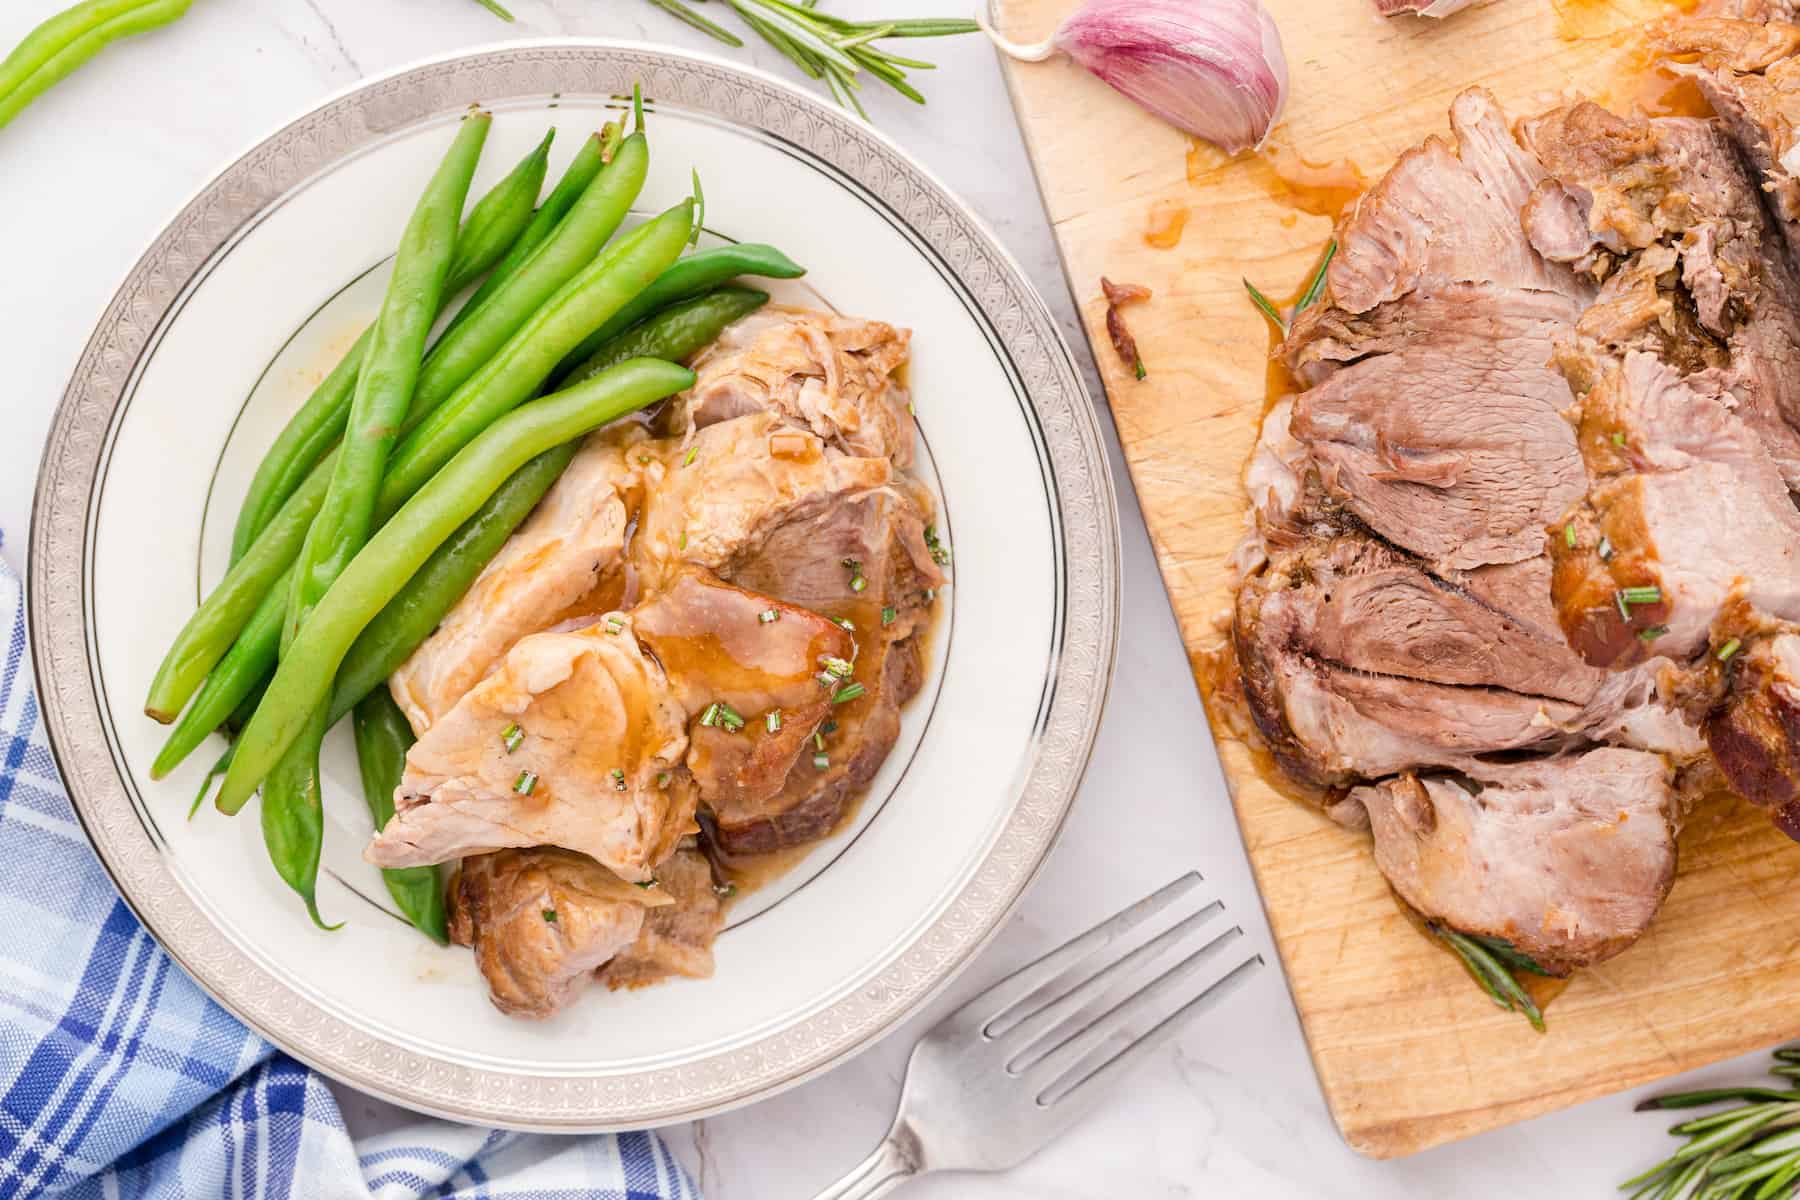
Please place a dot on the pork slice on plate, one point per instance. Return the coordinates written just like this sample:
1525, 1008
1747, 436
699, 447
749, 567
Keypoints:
865, 561
575, 536
716, 501
575, 740
831, 374
676, 938
541, 921
748, 669
1566, 859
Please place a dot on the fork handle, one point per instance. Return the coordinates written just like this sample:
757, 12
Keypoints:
876, 1175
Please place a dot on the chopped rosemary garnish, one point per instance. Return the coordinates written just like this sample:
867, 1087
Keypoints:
693, 452
724, 891
525, 782
852, 565
818, 740
940, 554
1618, 439
1569, 534
846, 694
888, 615
772, 720
1728, 649
682, 544
729, 717
828, 727
837, 668
550, 915
511, 736
1624, 608
821, 761
1650, 594
618, 778
1652, 633
614, 624
858, 583
930, 595
1604, 548
710, 716
662, 779
846, 624
649, 883
768, 616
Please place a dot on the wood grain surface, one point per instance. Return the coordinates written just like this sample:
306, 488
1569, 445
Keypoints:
1409, 1053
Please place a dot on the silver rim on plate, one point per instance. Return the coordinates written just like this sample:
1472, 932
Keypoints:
1015, 318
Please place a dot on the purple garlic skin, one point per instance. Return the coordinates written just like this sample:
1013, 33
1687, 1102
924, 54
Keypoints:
1213, 68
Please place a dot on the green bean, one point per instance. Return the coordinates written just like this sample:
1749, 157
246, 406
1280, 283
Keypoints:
676, 331
382, 739
511, 377
691, 276
68, 39
208, 634
293, 817
429, 596
499, 219
248, 662
384, 389
494, 225
516, 373
394, 555
595, 153
578, 238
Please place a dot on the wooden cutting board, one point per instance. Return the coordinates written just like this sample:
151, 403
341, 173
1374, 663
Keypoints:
1408, 1052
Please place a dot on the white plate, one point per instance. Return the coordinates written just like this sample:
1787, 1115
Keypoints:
217, 336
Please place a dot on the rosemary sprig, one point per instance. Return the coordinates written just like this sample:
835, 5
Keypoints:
1485, 966
826, 47
495, 7
1750, 1149
1309, 295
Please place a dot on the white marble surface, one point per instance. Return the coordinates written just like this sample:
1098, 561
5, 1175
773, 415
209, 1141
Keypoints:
92, 172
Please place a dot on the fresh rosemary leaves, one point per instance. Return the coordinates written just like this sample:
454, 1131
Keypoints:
1750, 1149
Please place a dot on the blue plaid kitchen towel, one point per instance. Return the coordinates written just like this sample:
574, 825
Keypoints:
119, 1077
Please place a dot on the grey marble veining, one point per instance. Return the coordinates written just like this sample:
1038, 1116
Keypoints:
88, 176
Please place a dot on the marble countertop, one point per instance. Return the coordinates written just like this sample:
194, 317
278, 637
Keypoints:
96, 168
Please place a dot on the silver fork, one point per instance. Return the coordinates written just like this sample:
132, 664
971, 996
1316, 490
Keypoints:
1003, 1075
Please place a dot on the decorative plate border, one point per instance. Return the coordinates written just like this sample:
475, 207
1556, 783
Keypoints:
63, 515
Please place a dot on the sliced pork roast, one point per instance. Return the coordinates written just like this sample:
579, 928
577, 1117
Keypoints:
1566, 858
574, 537
1397, 622
541, 921
719, 625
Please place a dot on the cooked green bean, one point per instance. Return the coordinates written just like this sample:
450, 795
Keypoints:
248, 662
594, 154
382, 739
577, 239
499, 219
293, 818
209, 633
510, 378
676, 331
516, 373
292, 821
494, 225
429, 596
68, 39
384, 388
687, 278
394, 555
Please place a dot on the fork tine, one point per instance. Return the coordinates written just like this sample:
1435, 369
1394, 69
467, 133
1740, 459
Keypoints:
985, 1010
1037, 1030
1063, 1049
1062, 1089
